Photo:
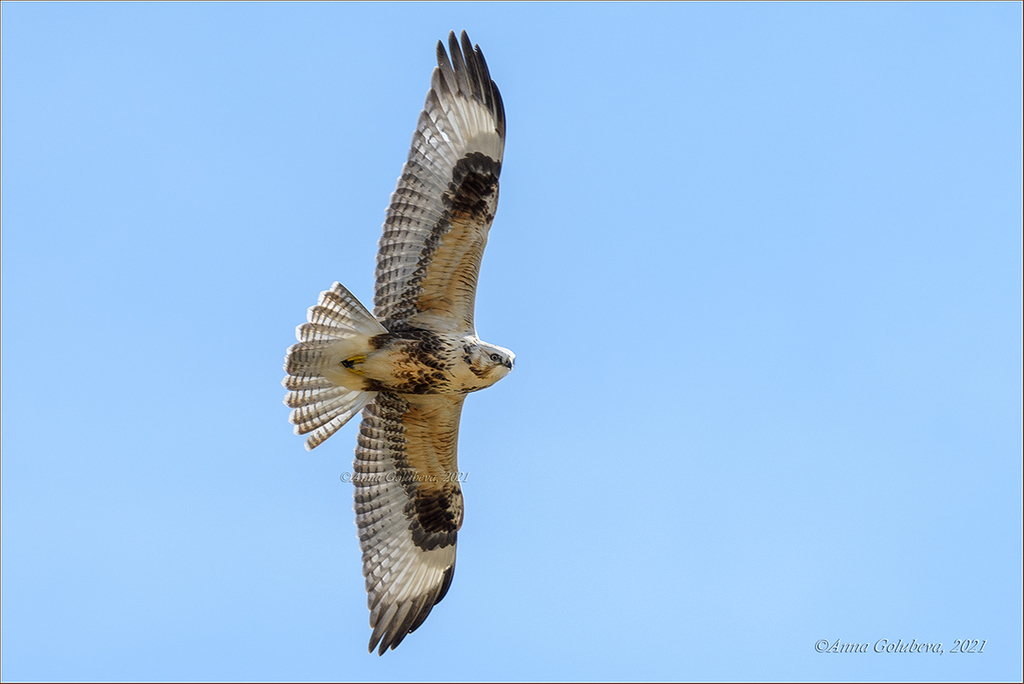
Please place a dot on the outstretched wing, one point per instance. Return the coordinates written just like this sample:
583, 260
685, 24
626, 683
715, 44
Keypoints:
440, 213
408, 508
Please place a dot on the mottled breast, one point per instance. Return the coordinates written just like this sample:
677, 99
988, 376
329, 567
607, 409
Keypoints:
410, 362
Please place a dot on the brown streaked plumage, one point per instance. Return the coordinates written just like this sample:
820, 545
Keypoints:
412, 363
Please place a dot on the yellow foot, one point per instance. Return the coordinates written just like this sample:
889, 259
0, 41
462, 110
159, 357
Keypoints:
351, 362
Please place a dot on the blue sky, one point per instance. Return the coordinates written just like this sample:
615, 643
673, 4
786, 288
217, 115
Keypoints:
760, 265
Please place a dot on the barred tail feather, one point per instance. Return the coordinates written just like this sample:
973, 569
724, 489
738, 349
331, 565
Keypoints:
323, 394
327, 413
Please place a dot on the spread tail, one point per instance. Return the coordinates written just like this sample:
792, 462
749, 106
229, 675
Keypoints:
322, 391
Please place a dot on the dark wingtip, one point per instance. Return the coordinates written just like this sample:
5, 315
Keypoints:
446, 582
453, 44
395, 634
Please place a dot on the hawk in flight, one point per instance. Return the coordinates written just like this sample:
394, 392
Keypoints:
410, 365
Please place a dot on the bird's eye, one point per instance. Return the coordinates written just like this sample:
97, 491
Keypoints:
495, 358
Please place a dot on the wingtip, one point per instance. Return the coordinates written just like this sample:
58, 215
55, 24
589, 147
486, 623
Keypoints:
453, 43
381, 643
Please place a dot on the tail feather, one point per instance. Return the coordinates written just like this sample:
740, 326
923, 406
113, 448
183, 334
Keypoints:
339, 308
333, 407
323, 394
316, 332
309, 357
309, 397
305, 382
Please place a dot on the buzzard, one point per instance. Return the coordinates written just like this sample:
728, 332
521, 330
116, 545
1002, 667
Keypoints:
410, 365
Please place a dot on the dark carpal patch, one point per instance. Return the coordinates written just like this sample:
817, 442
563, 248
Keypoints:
431, 510
473, 185
432, 521
474, 182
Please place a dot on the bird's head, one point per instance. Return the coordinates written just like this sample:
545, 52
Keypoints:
489, 362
